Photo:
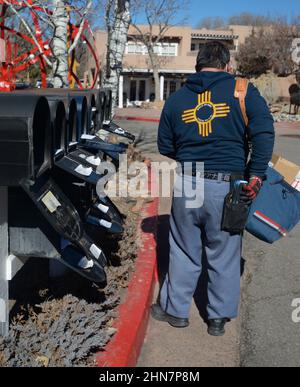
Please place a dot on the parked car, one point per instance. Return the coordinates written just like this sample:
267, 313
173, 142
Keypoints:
22, 86
38, 85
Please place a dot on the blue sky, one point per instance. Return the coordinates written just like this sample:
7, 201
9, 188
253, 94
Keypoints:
224, 8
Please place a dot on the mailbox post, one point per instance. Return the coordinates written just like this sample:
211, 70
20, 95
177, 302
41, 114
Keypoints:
4, 307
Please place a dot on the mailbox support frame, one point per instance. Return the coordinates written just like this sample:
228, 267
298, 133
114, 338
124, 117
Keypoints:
10, 263
4, 298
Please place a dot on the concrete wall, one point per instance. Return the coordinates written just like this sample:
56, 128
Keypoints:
284, 84
274, 88
243, 32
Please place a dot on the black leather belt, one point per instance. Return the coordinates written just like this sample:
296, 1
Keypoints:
210, 175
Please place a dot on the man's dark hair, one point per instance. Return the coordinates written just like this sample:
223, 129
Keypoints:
213, 54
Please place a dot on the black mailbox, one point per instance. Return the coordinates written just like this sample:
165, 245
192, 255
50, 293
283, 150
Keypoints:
108, 105
59, 126
82, 115
101, 102
89, 110
25, 138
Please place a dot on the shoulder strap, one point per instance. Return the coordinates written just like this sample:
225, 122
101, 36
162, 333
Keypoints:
240, 92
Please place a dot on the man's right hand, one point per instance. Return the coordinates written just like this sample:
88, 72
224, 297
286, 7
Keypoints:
251, 190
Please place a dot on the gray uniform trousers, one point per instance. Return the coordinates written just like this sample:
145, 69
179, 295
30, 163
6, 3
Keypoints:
191, 230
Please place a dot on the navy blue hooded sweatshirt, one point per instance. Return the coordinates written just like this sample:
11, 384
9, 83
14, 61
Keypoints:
203, 122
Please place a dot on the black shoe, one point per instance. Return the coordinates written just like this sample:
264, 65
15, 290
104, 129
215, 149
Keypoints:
216, 327
158, 314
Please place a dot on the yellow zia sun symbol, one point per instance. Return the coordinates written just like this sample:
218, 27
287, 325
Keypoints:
218, 110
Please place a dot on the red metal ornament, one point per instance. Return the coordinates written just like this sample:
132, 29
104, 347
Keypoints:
12, 63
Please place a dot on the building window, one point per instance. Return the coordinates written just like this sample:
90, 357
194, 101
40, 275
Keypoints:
161, 49
169, 49
173, 86
135, 48
166, 49
166, 90
142, 90
193, 47
130, 48
133, 87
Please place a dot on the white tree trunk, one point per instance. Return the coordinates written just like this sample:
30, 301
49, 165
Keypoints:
117, 40
157, 83
154, 60
60, 44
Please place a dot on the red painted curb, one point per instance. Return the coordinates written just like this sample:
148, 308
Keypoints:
142, 119
133, 316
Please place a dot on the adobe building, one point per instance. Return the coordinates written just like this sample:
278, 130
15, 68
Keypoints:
177, 55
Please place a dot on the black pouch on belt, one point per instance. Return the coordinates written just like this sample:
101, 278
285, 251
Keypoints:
235, 212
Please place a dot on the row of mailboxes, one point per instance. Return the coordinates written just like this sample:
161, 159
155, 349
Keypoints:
50, 151
32, 127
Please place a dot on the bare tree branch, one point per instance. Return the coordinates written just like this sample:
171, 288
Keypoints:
161, 16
